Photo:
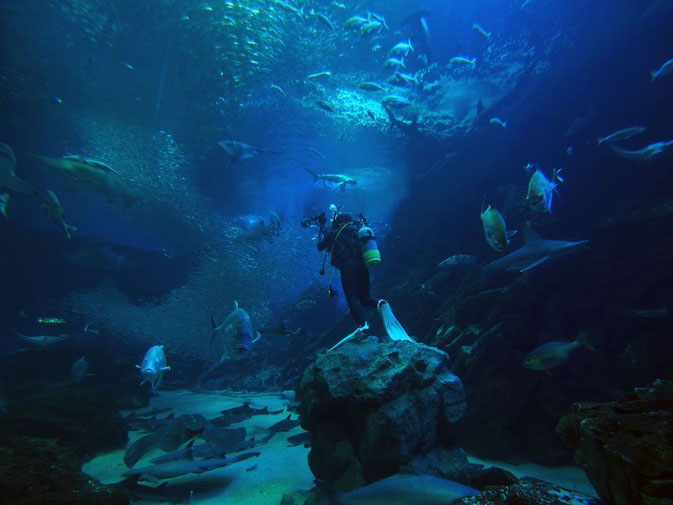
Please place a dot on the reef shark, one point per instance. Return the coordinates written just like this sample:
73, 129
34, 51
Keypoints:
42, 340
534, 252
153, 473
237, 151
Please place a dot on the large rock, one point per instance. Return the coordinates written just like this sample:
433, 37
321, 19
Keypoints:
626, 448
85, 419
373, 407
36, 471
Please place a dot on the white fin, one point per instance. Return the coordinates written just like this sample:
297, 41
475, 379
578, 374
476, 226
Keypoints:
534, 264
393, 328
356, 333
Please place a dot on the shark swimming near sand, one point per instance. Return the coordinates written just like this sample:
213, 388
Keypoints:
534, 252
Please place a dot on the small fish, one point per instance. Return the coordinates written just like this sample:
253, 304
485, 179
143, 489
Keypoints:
665, 69
206, 7
647, 153
394, 63
4, 201
90, 329
541, 190
323, 19
127, 65
325, 73
481, 31
458, 260
153, 366
370, 28
498, 121
371, 115
278, 88
316, 152
495, 229
401, 49
355, 22
396, 101
324, 105
653, 313
370, 86
461, 60
379, 18
570, 151
554, 354
53, 208
624, 134
287, 7
79, 368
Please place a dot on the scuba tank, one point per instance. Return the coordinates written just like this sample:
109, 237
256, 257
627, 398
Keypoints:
370, 250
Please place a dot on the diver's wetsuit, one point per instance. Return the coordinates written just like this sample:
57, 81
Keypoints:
347, 257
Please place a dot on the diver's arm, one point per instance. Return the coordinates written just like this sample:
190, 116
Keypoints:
325, 241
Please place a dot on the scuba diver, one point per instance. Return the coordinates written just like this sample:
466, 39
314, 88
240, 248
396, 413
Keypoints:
344, 241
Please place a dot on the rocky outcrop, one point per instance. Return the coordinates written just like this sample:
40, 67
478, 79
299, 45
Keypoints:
374, 407
36, 471
626, 447
85, 419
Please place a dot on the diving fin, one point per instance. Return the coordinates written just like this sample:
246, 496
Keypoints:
353, 335
393, 327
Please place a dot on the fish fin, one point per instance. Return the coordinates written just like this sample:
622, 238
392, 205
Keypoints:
259, 335
150, 478
653, 75
583, 341
188, 453
19, 185
165, 368
137, 366
530, 235
511, 233
235, 305
556, 174
534, 264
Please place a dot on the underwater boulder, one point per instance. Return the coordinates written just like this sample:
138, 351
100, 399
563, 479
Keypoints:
626, 447
86, 419
374, 407
39, 471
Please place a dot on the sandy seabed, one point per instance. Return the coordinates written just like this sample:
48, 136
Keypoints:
280, 468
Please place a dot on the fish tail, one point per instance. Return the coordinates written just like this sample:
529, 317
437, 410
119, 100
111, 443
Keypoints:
213, 330
313, 174
583, 341
653, 75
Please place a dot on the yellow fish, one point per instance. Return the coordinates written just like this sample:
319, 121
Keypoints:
495, 229
541, 190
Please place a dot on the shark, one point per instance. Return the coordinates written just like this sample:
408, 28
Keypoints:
42, 340
534, 252
153, 473
81, 174
9, 179
237, 151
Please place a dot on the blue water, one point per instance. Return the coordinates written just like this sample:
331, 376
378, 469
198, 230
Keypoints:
150, 88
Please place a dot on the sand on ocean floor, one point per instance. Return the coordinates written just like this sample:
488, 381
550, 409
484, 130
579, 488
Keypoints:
569, 477
263, 480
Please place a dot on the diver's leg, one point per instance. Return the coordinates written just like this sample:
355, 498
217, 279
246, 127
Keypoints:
349, 283
363, 288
